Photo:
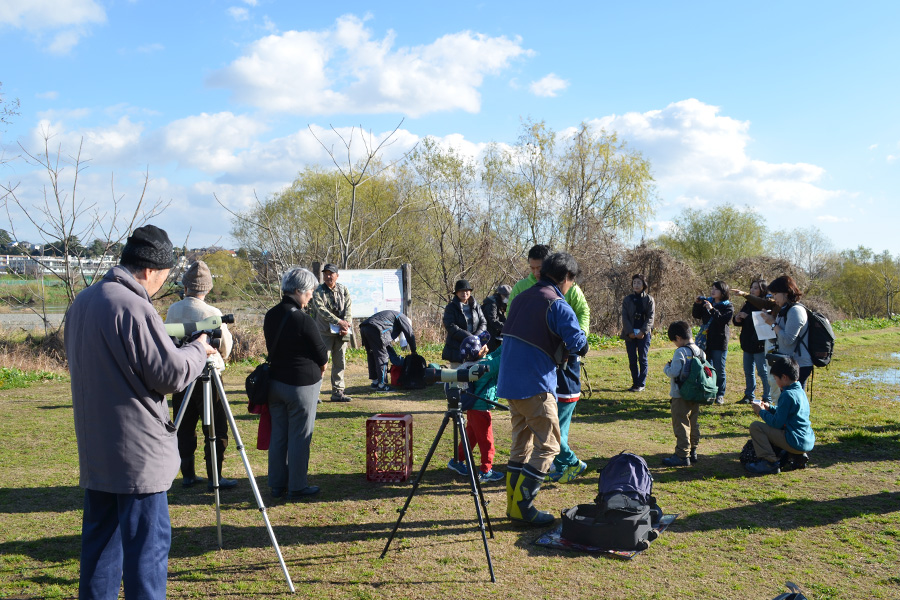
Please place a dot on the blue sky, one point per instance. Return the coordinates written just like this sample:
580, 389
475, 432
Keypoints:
790, 108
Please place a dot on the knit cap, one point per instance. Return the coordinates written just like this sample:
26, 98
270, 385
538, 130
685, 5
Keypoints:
197, 278
148, 247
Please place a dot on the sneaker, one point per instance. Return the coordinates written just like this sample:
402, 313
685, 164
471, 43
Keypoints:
797, 461
636, 388
693, 456
490, 476
763, 467
552, 474
745, 400
340, 397
573, 471
374, 385
459, 466
382, 387
677, 461
720, 399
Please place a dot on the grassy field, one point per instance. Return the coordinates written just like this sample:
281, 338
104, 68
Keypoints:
833, 528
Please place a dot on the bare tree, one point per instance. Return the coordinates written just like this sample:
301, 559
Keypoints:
343, 217
63, 217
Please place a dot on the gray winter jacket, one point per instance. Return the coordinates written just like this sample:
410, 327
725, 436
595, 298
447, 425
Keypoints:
122, 364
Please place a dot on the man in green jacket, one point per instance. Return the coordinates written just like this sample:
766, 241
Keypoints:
566, 465
331, 307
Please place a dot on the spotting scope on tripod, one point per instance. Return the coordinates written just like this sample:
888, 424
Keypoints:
210, 380
458, 400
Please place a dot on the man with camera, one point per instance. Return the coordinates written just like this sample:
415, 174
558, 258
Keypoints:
331, 309
197, 282
538, 336
122, 364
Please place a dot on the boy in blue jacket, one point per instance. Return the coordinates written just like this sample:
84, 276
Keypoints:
786, 426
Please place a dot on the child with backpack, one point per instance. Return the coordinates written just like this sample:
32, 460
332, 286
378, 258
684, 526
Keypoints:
684, 412
479, 428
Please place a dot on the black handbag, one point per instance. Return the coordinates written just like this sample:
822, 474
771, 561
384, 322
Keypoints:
257, 383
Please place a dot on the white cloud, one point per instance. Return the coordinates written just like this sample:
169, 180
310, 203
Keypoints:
832, 219
238, 13
251, 2
50, 95
66, 20
891, 158
208, 142
345, 70
548, 86
873, 146
700, 157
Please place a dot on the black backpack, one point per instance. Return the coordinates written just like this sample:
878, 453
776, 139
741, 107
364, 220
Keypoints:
819, 338
624, 515
412, 373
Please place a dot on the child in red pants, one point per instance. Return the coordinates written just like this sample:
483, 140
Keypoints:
478, 419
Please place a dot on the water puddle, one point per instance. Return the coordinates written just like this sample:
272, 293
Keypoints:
886, 376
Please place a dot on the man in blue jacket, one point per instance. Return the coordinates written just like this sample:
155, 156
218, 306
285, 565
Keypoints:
786, 426
537, 338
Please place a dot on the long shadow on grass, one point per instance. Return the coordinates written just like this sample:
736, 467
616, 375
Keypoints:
788, 513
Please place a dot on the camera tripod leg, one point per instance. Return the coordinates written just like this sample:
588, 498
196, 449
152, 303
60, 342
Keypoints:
475, 486
259, 501
416, 483
209, 425
184, 403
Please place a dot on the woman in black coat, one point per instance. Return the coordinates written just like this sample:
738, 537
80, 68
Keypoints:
754, 349
716, 312
462, 318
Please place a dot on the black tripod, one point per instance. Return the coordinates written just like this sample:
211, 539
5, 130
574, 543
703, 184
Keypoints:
209, 376
455, 413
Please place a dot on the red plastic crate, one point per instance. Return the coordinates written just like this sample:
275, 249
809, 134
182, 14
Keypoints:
389, 447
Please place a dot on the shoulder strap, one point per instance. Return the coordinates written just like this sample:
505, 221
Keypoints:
280, 329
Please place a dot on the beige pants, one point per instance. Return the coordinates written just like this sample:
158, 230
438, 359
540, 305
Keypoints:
337, 348
764, 437
684, 424
535, 431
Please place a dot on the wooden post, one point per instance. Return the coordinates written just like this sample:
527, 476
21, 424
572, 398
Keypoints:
406, 288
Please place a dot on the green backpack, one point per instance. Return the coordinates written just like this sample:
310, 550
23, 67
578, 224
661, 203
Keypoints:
699, 383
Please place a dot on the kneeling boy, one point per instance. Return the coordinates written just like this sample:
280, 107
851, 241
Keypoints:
786, 426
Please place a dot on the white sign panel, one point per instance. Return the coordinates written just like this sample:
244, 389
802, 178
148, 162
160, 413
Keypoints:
373, 290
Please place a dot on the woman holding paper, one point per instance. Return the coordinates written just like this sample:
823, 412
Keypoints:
790, 324
753, 347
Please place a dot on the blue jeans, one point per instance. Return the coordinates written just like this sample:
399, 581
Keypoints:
756, 363
717, 357
637, 357
124, 537
566, 457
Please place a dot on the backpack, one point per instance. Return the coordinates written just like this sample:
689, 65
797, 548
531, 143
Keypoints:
699, 385
624, 515
819, 338
412, 374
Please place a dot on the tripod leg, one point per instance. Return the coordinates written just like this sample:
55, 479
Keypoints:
184, 403
475, 486
259, 502
210, 428
415, 486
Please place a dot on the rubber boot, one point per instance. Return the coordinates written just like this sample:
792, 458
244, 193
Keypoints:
522, 508
512, 478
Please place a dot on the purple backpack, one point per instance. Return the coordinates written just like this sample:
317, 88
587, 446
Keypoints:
627, 474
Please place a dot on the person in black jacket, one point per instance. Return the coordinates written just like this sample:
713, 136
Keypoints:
494, 308
716, 312
754, 349
638, 311
462, 318
377, 333
298, 357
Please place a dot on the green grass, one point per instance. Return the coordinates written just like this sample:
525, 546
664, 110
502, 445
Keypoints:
833, 528
11, 378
